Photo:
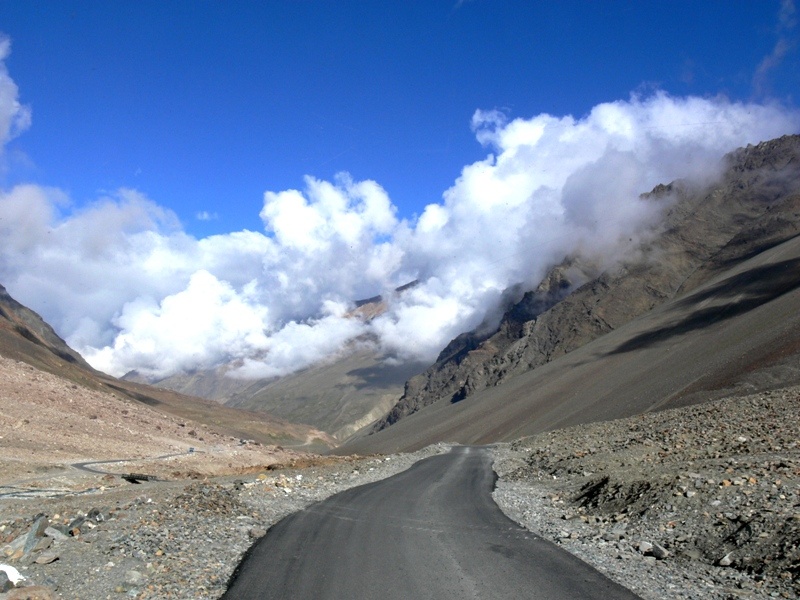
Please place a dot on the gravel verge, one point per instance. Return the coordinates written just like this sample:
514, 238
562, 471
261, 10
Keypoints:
700, 502
175, 539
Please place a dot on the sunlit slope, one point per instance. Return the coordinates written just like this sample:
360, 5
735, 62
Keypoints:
26, 337
339, 397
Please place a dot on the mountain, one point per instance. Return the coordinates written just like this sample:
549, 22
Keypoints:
27, 338
339, 396
706, 303
755, 206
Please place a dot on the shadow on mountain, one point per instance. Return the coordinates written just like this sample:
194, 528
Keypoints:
751, 251
745, 291
383, 375
148, 400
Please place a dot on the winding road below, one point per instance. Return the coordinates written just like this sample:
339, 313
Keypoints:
431, 532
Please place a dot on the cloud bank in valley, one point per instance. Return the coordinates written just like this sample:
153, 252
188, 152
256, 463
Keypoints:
125, 285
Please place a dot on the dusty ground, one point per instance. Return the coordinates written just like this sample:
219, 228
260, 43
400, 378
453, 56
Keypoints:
180, 536
48, 423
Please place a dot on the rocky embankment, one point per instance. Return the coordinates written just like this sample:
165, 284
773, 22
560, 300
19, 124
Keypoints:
700, 502
160, 540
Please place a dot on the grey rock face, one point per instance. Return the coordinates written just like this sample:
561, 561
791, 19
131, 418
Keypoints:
753, 206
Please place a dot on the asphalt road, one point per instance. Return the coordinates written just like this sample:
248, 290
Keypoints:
431, 532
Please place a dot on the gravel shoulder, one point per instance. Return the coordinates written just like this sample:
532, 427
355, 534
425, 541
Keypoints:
700, 502
173, 539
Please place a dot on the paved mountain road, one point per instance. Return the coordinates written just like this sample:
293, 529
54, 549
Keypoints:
431, 532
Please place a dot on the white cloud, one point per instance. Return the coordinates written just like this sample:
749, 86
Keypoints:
328, 215
300, 344
783, 45
126, 286
201, 326
14, 116
204, 215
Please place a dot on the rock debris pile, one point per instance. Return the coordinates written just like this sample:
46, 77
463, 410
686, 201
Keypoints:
697, 502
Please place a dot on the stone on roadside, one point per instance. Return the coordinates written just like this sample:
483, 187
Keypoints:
257, 532
35, 534
134, 578
56, 534
14, 550
43, 544
34, 592
726, 561
74, 527
5, 582
659, 551
97, 515
45, 558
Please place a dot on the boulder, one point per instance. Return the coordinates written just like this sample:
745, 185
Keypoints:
34, 592
35, 534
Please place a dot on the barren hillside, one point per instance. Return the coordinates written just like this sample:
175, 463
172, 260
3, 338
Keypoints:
705, 230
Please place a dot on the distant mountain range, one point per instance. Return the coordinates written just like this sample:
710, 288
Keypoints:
339, 396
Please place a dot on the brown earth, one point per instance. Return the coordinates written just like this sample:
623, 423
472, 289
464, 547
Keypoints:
48, 423
25, 337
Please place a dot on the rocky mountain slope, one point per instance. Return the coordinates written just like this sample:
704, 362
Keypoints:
25, 338
739, 333
705, 230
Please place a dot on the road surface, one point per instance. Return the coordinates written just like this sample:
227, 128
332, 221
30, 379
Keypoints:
431, 532
84, 466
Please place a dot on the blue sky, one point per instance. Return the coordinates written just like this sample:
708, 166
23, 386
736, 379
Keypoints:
338, 150
204, 106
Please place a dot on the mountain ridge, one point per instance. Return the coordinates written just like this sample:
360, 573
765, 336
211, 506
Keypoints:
339, 395
735, 335
25, 337
753, 206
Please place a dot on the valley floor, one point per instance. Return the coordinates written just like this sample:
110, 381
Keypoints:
169, 539
699, 502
